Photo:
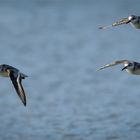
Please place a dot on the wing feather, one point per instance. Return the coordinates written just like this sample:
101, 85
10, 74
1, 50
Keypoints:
18, 86
114, 63
117, 23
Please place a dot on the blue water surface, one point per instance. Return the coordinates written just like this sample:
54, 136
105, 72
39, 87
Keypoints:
57, 43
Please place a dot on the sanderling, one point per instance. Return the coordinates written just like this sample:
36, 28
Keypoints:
16, 77
133, 20
131, 67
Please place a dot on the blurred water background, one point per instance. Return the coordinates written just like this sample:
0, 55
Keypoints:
57, 43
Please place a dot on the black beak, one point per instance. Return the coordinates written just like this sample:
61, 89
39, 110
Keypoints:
124, 68
128, 21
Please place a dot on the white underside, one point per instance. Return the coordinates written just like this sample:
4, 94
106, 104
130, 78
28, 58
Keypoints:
136, 72
136, 25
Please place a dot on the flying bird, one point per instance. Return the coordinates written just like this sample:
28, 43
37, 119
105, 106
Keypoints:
132, 19
131, 67
16, 77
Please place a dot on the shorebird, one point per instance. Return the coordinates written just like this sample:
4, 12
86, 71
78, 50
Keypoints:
131, 67
132, 19
16, 77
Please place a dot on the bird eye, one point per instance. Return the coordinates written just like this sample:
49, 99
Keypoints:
129, 64
132, 17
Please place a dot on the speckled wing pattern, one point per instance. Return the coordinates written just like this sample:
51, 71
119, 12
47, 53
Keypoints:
117, 23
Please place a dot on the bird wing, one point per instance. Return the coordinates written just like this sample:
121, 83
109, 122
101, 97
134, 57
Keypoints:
114, 63
117, 23
16, 80
122, 21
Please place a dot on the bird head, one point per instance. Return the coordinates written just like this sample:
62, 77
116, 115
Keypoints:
132, 18
128, 66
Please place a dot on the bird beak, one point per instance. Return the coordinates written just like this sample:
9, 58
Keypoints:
124, 68
128, 21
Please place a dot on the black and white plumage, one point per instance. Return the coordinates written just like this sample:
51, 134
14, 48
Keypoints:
132, 19
16, 77
131, 67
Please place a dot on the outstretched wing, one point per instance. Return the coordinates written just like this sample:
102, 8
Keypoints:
114, 63
117, 23
16, 80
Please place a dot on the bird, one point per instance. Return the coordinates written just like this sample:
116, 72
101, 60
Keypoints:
16, 77
132, 19
131, 67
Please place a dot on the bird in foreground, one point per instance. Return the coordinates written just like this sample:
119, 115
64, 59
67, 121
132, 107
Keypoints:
16, 77
132, 19
131, 67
